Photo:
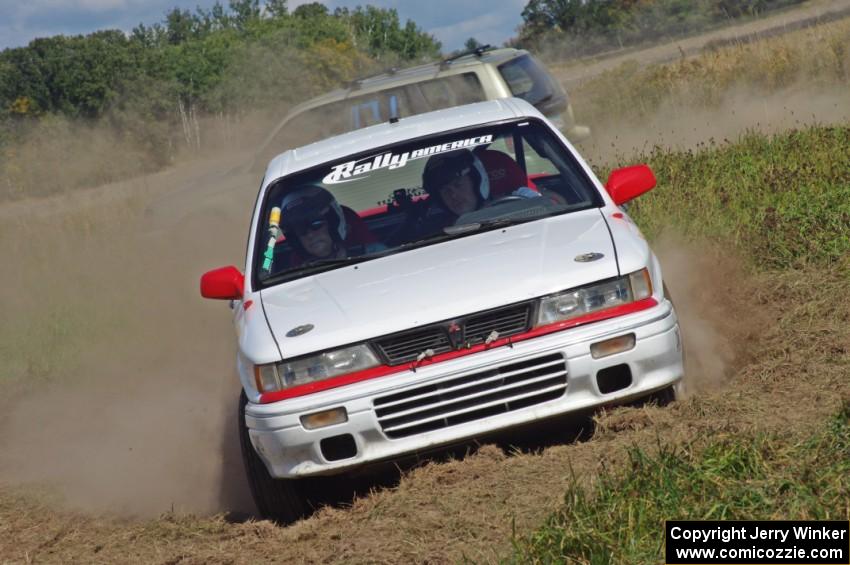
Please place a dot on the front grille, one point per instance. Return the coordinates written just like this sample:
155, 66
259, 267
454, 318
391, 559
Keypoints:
401, 348
471, 397
474, 329
506, 322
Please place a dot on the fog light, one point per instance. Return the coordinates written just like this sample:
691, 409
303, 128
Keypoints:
324, 419
612, 346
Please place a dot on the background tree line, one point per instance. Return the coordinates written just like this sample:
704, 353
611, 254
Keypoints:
152, 88
581, 27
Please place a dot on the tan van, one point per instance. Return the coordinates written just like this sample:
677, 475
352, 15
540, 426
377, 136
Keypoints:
473, 76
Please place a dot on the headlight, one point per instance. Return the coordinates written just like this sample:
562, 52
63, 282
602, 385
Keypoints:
581, 301
287, 374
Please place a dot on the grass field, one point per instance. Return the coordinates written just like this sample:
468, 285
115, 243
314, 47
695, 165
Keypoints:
749, 477
782, 201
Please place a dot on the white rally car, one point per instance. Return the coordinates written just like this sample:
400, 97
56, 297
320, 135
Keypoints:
425, 281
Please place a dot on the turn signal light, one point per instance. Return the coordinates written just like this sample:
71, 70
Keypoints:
612, 346
323, 419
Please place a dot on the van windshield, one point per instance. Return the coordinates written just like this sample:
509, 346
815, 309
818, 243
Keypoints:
414, 194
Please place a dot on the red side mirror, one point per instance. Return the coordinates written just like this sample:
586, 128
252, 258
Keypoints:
629, 182
225, 283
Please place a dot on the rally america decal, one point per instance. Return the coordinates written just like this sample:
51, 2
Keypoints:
347, 171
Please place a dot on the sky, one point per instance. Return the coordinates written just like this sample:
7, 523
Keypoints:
451, 21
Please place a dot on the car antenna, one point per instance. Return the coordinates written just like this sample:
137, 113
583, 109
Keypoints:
394, 117
477, 51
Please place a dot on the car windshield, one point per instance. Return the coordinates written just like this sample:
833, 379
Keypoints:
413, 194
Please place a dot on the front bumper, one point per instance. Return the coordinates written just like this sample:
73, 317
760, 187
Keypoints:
401, 414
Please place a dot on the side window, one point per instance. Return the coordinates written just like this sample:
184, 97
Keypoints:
307, 127
436, 94
377, 107
313, 125
451, 91
467, 88
365, 113
548, 169
537, 164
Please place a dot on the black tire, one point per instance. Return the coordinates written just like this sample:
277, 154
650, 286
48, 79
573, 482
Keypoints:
281, 500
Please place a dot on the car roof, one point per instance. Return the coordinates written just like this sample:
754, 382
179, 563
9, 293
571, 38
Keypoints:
379, 135
411, 74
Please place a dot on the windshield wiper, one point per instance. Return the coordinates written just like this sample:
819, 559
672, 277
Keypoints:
328, 264
471, 227
448, 232
316, 267
427, 240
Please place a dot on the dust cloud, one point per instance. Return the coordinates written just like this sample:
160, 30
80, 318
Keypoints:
708, 287
683, 127
122, 392
118, 389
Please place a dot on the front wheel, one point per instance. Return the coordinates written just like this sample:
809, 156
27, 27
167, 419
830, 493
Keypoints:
281, 500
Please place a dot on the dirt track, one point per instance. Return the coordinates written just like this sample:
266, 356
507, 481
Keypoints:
813, 12
142, 422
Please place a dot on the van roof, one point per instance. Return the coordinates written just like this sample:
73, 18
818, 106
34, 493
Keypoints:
386, 133
413, 74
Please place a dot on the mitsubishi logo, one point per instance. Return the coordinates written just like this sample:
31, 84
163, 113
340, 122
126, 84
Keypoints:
299, 330
588, 257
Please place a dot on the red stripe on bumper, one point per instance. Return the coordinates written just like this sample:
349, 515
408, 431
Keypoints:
385, 370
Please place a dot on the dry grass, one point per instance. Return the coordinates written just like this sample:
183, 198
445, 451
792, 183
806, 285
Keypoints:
790, 81
815, 57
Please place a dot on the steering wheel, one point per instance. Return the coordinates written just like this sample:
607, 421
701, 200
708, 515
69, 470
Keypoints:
503, 200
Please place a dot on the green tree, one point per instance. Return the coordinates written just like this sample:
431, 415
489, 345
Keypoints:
277, 8
311, 10
380, 31
222, 60
472, 43
180, 26
244, 12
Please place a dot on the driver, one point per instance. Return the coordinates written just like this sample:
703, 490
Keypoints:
456, 181
316, 225
459, 183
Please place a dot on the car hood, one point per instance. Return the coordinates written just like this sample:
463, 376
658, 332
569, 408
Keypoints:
439, 282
